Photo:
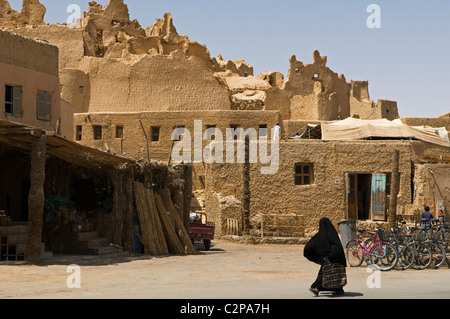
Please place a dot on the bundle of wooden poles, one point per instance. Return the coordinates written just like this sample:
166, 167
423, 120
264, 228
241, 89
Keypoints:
162, 228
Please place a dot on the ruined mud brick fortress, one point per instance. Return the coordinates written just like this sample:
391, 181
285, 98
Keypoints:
129, 87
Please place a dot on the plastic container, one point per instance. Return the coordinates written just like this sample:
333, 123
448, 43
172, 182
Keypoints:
347, 228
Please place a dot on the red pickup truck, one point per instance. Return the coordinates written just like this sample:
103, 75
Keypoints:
200, 230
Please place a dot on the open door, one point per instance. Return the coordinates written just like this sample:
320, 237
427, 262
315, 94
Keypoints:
379, 197
351, 182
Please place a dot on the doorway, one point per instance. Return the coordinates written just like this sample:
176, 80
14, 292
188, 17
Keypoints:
366, 196
359, 197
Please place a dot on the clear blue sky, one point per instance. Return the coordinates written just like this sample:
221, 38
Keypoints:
406, 60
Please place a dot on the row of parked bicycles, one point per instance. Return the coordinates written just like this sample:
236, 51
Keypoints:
402, 247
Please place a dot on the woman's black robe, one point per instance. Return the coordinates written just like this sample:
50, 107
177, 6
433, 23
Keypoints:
326, 243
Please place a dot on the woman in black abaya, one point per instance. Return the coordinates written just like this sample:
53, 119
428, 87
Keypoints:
325, 243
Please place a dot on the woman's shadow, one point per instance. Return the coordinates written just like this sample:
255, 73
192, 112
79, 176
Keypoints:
346, 294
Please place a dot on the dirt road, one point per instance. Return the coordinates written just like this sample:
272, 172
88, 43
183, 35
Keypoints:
228, 271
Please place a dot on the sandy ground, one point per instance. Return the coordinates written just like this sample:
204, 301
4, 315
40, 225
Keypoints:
228, 271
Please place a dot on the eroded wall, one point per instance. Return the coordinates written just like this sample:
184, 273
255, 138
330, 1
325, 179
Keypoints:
129, 67
153, 83
431, 185
126, 67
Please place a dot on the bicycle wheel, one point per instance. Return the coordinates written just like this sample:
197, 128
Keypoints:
406, 257
423, 255
446, 246
384, 256
438, 254
355, 253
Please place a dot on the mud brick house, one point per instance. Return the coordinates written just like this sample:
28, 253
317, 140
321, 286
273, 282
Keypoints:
56, 195
131, 86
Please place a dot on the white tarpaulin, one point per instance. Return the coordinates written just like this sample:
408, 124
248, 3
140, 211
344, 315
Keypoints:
355, 129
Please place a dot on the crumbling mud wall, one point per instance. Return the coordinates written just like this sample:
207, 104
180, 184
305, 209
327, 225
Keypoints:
363, 107
126, 67
318, 80
431, 188
310, 92
131, 68
220, 208
175, 83
32, 13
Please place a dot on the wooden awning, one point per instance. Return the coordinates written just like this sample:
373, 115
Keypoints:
19, 136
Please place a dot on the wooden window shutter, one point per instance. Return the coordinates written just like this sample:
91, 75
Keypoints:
17, 102
44, 105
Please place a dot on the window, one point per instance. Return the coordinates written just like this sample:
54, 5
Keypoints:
181, 132
304, 174
235, 127
263, 130
211, 132
156, 130
97, 132
99, 36
98, 46
44, 105
316, 76
119, 131
13, 100
78, 132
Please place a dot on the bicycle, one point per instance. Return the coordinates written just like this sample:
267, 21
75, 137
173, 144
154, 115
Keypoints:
423, 254
437, 249
378, 252
399, 241
441, 232
357, 249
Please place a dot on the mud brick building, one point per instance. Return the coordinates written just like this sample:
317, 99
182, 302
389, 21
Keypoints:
131, 86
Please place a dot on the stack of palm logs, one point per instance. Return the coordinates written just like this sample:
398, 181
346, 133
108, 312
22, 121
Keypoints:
162, 228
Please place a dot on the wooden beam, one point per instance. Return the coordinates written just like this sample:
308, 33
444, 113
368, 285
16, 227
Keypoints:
187, 194
246, 191
12, 130
395, 183
36, 199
